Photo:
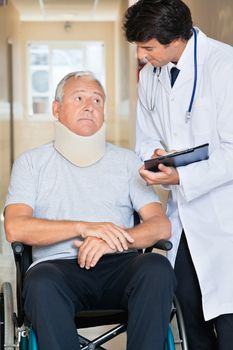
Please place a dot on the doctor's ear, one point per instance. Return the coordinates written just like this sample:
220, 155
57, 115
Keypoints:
56, 109
177, 42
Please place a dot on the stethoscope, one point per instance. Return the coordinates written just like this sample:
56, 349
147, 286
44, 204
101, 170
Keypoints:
157, 71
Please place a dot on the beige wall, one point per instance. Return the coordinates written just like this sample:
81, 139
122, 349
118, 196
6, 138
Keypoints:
122, 80
4, 115
31, 133
214, 17
8, 31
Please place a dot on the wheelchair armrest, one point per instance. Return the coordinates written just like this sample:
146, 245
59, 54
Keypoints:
17, 248
23, 259
162, 244
22, 256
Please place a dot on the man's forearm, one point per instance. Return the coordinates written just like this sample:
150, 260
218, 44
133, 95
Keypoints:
149, 232
20, 225
33, 231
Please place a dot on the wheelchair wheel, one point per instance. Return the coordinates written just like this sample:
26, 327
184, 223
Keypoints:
170, 344
178, 327
28, 340
7, 333
1, 323
32, 340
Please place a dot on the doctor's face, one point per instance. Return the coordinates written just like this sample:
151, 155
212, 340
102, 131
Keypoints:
82, 107
158, 54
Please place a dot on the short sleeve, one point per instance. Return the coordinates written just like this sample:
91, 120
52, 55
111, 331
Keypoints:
22, 187
140, 193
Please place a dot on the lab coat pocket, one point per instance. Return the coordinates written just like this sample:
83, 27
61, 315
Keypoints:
203, 120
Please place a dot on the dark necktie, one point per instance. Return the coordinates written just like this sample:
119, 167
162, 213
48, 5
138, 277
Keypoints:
174, 74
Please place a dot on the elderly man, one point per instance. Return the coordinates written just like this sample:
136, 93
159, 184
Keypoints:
73, 201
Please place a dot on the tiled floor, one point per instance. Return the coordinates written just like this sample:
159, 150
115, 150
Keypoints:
118, 343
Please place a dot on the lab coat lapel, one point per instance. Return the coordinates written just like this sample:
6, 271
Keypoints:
186, 66
185, 76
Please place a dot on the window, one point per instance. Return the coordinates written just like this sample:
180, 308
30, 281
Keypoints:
49, 62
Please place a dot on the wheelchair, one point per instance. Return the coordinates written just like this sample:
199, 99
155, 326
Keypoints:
16, 331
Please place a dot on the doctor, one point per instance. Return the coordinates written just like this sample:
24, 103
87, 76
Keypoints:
194, 109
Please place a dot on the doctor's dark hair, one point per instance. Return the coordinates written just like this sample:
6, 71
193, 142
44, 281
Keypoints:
163, 20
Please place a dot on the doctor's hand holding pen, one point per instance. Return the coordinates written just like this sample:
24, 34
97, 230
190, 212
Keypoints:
165, 176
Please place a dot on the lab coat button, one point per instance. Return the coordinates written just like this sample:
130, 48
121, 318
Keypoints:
172, 99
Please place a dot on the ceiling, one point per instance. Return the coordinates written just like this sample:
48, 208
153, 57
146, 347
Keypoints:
67, 10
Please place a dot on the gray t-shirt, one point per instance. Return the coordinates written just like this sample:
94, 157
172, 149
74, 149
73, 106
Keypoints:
109, 190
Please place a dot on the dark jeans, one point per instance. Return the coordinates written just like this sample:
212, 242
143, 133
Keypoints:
141, 283
216, 334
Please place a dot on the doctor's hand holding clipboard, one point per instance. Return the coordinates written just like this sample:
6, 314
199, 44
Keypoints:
165, 176
161, 168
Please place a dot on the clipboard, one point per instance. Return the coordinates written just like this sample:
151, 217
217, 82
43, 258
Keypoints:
180, 158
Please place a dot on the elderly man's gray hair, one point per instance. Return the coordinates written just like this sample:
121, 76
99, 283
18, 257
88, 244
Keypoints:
59, 93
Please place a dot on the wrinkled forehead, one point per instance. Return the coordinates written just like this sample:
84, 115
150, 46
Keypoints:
85, 85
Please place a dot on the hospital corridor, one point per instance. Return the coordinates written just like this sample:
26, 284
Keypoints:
41, 41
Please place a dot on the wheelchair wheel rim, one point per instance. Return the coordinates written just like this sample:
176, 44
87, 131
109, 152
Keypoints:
8, 323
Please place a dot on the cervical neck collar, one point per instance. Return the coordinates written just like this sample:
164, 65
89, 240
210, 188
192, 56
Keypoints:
80, 150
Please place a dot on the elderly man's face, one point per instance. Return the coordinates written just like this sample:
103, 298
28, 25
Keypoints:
82, 106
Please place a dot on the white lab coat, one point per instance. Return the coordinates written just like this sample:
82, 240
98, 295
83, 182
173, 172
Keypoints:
203, 202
